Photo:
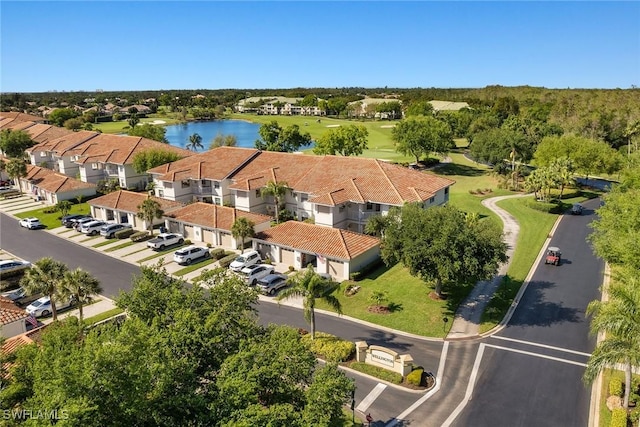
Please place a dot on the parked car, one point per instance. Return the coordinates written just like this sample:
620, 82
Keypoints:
11, 266
15, 294
42, 306
77, 223
245, 260
577, 209
271, 283
92, 228
6, 189
163, 240
189, 254
30, 223
255, 272
109, 230
69, 220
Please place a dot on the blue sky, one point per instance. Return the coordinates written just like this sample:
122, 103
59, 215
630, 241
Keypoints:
154, 45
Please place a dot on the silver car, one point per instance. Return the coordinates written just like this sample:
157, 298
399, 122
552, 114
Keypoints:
13, 265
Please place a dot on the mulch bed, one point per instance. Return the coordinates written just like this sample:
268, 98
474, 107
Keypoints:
378, 309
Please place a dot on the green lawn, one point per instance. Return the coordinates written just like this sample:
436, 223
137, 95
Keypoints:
122, 126
52, 220
115, 248
102, 316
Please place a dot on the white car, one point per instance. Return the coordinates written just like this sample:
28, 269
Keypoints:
30, 223
189, 254
42, 306
92, 228
80, 222
245, 260
163, 240
13, 265
255, 272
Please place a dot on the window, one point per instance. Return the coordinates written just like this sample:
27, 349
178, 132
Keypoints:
216, 184
43, 154
432, 199
110, 215
168, 184
377, 207
121, 168
160, 193
341, 208
304, 197
446, 190
257, 193
369, 206
94, 166
217, 201
186, 184
206, 183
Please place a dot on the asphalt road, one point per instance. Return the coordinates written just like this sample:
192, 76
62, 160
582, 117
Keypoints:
530, 373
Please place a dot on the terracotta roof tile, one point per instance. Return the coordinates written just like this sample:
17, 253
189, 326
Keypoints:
214, 216
326, 241
54, 182
9, 312
23, 117
15, 125
63, 143
128, 201
41, 132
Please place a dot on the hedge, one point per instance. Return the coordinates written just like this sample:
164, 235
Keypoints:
618, 418
123, 234
330, 347
224, 262
217, 253
140, 236
615, 387
543, 206
415, 377
383, 374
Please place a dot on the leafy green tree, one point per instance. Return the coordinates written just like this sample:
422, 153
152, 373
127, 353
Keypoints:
64, 206
335, 106
441, 245
146, 130
392, 109
376, 225
421, 135
133, 117
419, 108
74, 124
505, 107
195, 142
242, 228
348, 140
221, 140
149, 159
278, 190
619, 319
309, 100
327, 395
286, 140
80, 285
16, 169
149, 210
563, 170
496, 145
310, 286
45, 277
61, 115
14, 142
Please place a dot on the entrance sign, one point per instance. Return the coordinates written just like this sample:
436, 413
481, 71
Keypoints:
384, 358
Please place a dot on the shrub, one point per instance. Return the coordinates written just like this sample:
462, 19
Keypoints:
217, 253
330, 347
415, 377
618, 418
383, 374
354, 276
123, 234
292, 268
615, 387
50, 209
140, 236
224, 262
187, 241
209, 245
542, 206
267, 261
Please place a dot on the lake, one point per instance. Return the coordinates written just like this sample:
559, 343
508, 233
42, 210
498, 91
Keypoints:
245, 132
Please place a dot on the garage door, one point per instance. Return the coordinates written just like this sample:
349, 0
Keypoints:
174, 227
188, 232
336, 269
227, 240
287, 257
207, 236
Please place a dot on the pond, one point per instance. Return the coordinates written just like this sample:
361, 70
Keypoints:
245, 132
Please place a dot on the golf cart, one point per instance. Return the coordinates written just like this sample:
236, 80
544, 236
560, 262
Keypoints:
553, 256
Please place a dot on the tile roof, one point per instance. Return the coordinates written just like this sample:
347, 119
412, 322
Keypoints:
63, 143
41, 132
128, 201
9, 312
214, 216
23, 117
14, 124
326, 241
54, 182
119, 149
214, 164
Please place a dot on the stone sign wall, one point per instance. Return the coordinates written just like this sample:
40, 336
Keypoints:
384, 358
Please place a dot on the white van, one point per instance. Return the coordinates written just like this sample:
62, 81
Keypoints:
245, 260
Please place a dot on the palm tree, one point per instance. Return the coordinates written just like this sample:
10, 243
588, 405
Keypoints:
563, 169
619, 319
16, 169
45, 277
242, 228
195, 142
277, 190
149, 210
375, 225
64, 206
80, 285
311, 286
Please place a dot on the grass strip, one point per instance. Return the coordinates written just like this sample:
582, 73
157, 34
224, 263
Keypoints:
161, 253
66, 230
194, 267
374, 371
103, 316
135, 252
89, 239
105, 243
115, 248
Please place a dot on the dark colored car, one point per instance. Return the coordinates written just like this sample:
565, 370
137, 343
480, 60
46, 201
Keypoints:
69, 220
577, 209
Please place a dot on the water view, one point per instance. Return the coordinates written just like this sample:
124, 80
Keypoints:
245, 132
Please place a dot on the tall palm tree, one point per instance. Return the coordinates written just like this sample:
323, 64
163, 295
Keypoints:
45, 277
149, 210
195, 142
243, 228
278, 190
311, 286
619, 319
80, 285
